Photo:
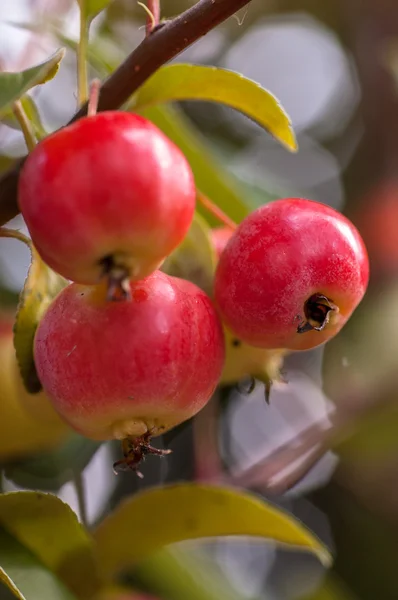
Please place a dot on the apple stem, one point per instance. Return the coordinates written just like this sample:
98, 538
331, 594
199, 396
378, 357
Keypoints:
25, 124
215, 210
152, 8
93, 99
82, 77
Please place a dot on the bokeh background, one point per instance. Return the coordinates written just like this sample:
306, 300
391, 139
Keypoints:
326, 448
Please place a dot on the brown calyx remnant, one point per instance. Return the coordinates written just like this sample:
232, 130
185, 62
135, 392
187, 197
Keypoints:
117, 277
317, 310
135, 451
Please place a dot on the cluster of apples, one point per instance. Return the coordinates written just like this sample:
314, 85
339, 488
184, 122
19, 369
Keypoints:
128, 352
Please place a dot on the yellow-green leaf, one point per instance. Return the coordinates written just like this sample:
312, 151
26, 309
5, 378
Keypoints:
25, 576
41, 287
91, 8
14, 85
195, 258
49, 530
161, 516
192, 82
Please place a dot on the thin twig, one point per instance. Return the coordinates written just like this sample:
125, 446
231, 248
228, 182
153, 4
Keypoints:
289, 463
215, 210
154, 51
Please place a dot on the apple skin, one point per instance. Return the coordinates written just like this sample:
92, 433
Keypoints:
108, 193
278, 258
243, 360
117, 370
23, 432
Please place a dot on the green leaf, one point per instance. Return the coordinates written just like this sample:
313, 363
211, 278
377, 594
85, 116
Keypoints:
190, 511
195, 258
32, 113
184, 573
14, 85
50, 531
51, 470
214, 181
24, 574
6, 162
91, 8
192, 82
41, 287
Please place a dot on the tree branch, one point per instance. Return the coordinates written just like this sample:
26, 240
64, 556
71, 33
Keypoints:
163, 44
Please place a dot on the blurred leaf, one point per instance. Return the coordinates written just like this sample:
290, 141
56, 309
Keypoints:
221, 187
173, 573
190, 511
14, 85
50, 531
32, 113
193, 82
91, 8
41, 286
332, 588
51, 470
6, 162
24, 574
194, 259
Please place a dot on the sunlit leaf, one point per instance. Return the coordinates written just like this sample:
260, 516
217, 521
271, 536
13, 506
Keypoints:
41, 287
194, 259
24, 574
193, 82
190, 511
14, 85
49, 530
91, 8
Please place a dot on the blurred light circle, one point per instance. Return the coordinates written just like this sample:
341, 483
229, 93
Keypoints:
304, 65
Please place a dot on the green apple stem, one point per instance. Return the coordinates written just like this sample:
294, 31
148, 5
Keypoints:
215, 210
82, 77
25, 124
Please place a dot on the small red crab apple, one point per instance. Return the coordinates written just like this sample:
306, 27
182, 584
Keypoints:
108, 195
243, 360
291, 275
130, 370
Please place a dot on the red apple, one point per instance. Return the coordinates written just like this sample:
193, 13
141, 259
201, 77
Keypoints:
117, 370
107, 195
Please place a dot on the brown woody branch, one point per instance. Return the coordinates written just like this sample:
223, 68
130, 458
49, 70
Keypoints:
163, 44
